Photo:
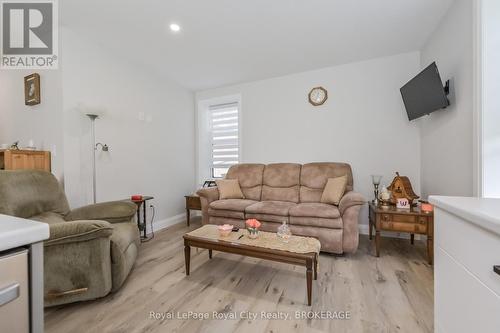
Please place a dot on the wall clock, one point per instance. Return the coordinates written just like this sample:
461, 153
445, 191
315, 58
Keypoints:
318, 96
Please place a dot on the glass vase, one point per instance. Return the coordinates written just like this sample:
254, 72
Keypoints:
284, 232
253, 233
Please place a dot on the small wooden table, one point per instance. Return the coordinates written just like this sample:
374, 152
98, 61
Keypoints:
192, 202
309, 260
413, 221
142, 224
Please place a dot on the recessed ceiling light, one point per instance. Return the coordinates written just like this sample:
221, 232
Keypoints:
175, 27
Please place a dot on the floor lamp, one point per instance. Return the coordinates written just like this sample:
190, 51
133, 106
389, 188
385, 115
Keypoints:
93, 117
104, 147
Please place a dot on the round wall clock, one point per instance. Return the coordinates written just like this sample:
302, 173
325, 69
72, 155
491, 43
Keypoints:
318, 96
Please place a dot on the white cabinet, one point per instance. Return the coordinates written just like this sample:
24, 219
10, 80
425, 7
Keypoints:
467, 247
21, 274
14, 296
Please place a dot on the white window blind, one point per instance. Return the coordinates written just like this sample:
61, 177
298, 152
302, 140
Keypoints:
224, 127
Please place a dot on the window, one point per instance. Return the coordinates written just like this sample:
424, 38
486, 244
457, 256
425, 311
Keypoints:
224, 129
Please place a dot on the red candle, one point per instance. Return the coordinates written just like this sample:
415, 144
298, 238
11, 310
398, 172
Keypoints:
427, 207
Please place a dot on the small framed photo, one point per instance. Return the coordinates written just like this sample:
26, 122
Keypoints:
32, 89
403, 203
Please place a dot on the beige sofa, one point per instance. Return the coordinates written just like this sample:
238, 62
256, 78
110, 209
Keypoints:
91, 250
290, 192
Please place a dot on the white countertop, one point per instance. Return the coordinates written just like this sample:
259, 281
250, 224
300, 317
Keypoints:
484, 212
16, 232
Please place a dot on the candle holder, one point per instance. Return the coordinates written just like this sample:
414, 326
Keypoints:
376, 183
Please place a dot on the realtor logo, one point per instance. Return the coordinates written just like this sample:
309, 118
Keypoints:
29, 34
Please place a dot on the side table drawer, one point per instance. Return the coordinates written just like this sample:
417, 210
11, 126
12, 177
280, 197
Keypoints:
193, 202
404, 227
401, 218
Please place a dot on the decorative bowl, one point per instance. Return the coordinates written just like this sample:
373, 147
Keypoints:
225, 229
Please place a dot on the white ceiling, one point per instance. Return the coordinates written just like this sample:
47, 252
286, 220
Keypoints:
224, 42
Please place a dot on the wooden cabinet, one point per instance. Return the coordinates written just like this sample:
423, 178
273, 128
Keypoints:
24, 159
192, 202
413, 221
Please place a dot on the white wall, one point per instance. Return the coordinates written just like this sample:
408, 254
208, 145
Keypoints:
491, 102
154, 156
447, 136
363, 121
40, 123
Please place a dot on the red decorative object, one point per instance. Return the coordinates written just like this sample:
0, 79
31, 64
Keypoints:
136, 197
252, 223
427, 207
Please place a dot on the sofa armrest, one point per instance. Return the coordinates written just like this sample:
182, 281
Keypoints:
112, 211
77, 231
349, 207
350, 199
207, 195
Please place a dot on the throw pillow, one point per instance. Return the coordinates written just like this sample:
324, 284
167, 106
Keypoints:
229, 189
334, 190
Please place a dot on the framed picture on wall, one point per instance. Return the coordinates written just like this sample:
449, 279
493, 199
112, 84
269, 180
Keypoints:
32, 89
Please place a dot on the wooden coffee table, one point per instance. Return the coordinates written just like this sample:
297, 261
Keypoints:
234, 245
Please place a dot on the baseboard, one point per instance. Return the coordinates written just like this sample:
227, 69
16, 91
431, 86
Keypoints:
165, 223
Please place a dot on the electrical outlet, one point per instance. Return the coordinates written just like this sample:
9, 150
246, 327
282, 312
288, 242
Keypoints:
141, 116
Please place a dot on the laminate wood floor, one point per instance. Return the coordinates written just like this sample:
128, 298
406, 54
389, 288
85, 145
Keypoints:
393, 293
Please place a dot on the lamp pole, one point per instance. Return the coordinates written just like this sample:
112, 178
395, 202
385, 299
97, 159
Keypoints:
93, 117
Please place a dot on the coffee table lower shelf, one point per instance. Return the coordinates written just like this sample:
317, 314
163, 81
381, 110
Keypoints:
308, 260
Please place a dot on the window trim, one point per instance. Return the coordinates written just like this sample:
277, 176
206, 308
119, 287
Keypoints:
211, 108
203, 133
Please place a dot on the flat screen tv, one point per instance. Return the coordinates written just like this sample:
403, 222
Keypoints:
425, 93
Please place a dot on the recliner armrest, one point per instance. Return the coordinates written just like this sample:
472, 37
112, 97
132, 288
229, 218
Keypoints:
209, 193
77, 231
351, 199
112, 211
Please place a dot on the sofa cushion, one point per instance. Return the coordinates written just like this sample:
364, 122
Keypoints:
280, 208
25, 193
281, 182
267, 217
232, 214
229, 189
334, 190
314, 176
238, 205
240, 223
315, 210
320, 222
331, 239
229, 208
48, 217
250, 178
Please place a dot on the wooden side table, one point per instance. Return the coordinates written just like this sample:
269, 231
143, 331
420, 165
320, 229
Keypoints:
413, 221
193, 202
142, 224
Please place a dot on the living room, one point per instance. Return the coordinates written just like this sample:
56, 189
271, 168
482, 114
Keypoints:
313, 166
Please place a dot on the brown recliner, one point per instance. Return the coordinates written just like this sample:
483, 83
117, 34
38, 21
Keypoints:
91, 250
290, 192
